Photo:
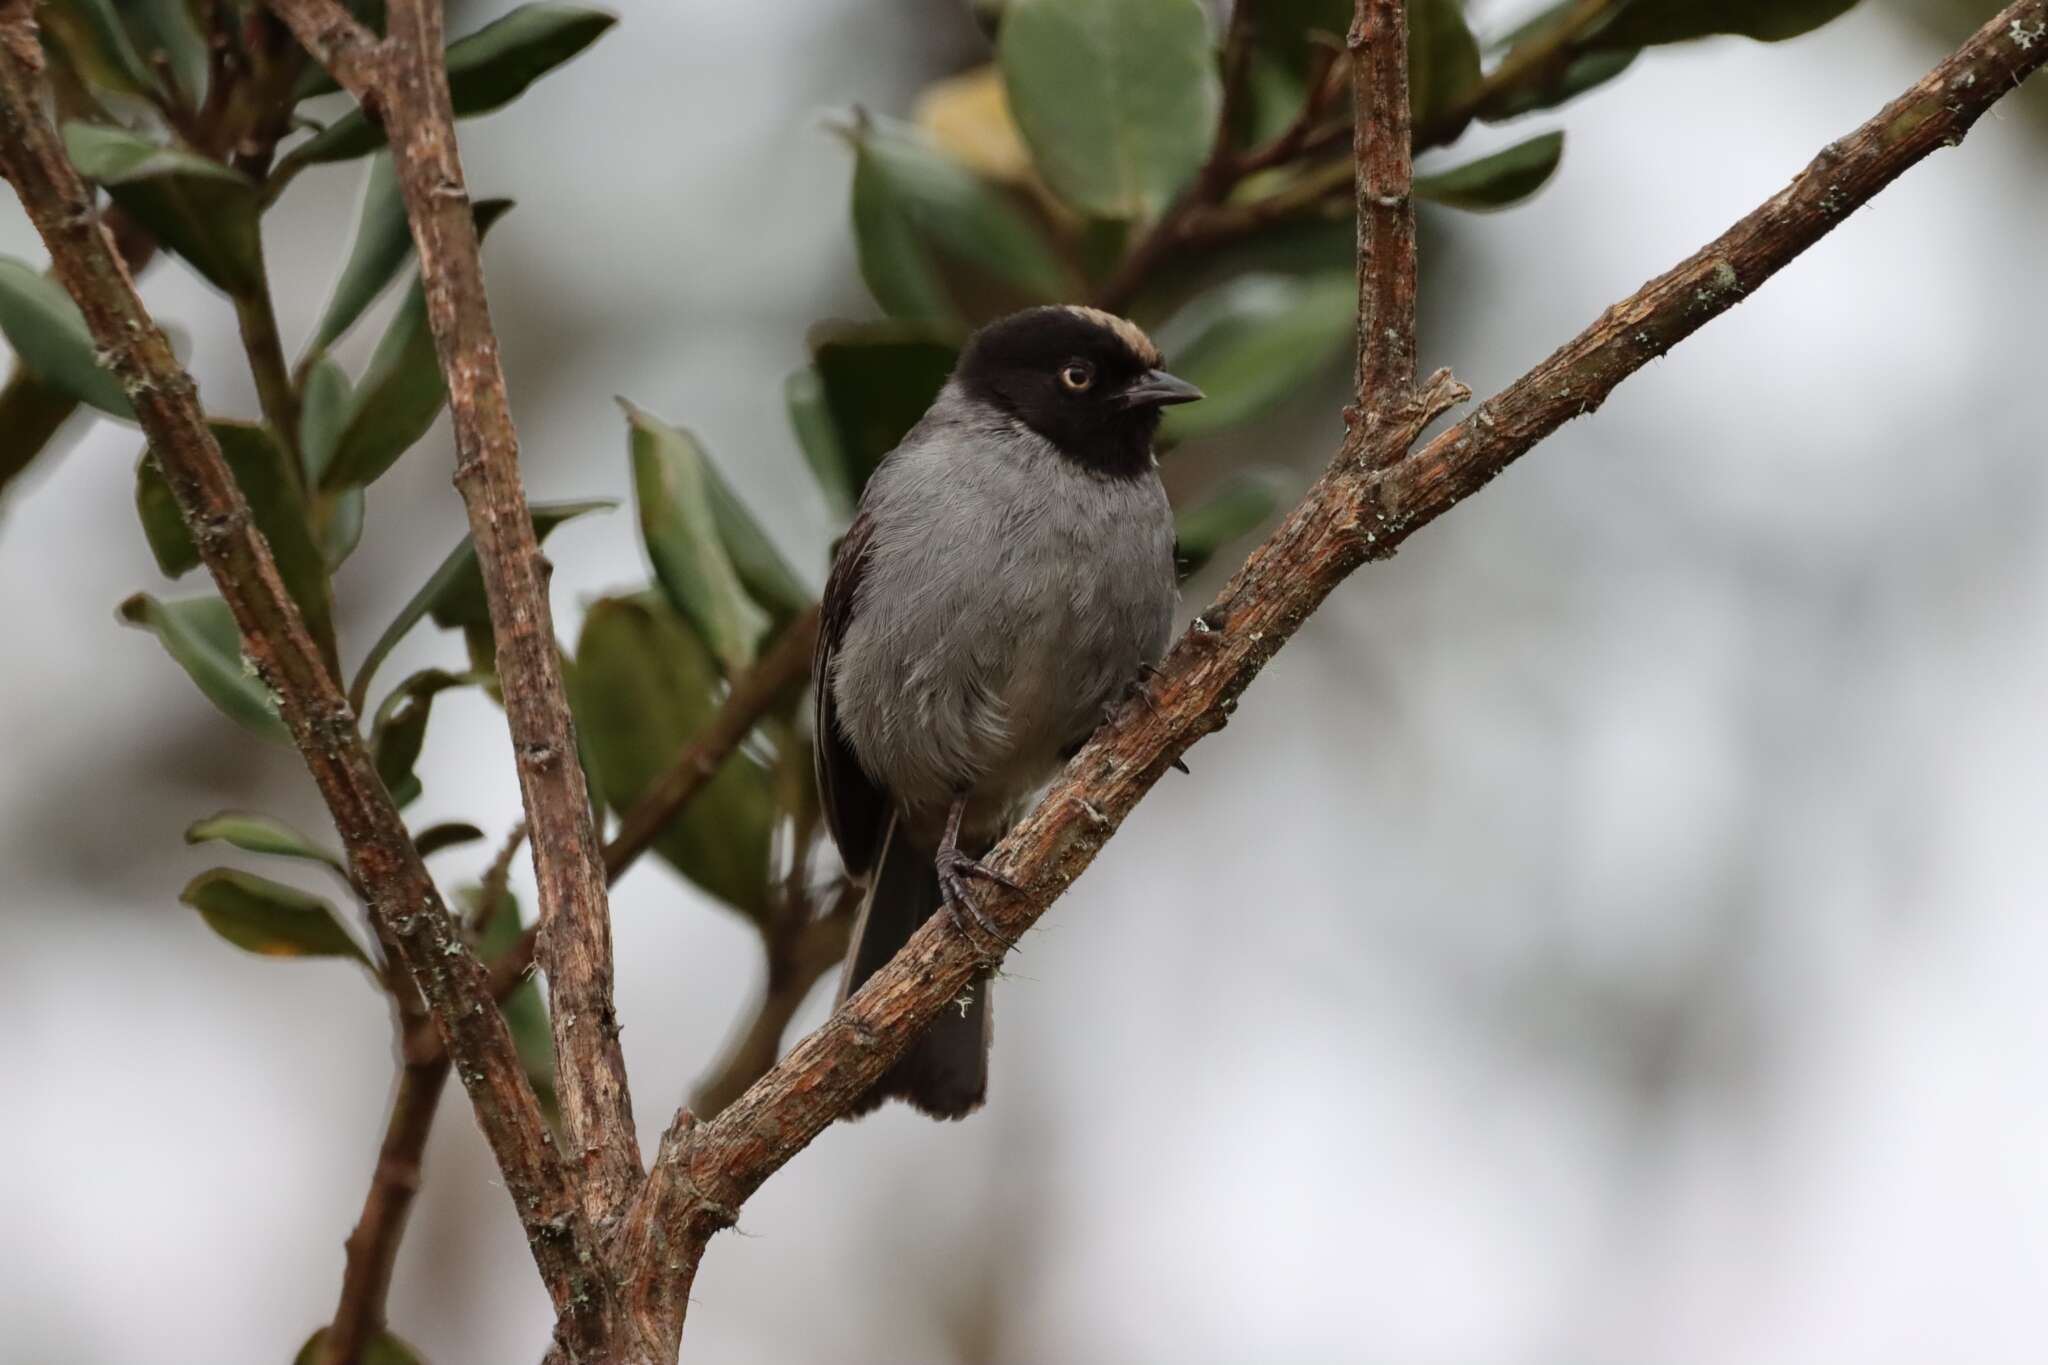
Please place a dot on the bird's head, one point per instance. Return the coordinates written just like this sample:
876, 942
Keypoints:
1088, 381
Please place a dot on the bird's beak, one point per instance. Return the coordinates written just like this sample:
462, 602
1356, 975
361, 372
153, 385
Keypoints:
1156, 389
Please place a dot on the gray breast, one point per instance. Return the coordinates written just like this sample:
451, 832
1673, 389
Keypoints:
1007, 597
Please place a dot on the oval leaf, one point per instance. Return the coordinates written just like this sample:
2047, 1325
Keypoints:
877, 379
672, 485
1492, 182
643, 687
1117, 101
1443, 63
399, 731
486, 70
449, 834
803, 393
254, 833
935, 240
382, 246
200, 209
324, 406
1646, 23
268, 917
48, 332
454, 594
382, 1349
402, 390
1250, 343
92, 36
199, 633
257, 461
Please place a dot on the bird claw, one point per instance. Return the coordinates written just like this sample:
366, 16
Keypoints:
955, 870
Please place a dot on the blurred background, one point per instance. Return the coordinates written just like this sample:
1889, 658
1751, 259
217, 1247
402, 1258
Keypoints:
1611, 932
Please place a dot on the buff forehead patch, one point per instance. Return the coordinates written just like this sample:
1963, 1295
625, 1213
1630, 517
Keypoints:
1127, 331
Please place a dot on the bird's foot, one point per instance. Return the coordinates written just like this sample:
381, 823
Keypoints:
955, 870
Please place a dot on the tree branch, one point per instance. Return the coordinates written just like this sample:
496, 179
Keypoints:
404, 82
1386, 209
1355, 512
372, 1248
405, 908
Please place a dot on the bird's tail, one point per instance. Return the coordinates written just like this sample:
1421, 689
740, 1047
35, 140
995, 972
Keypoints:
945, 1073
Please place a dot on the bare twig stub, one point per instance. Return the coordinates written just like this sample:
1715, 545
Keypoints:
1386, 209
405, 908
705, 1171
402, 79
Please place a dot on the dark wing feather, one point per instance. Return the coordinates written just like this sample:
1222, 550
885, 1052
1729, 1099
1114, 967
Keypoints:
856, 808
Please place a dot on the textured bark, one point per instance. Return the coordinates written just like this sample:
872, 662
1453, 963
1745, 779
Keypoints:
402, 80
1356, 511
1386, 206
405, 908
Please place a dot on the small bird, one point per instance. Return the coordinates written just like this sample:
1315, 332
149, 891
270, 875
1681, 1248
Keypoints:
1007, 579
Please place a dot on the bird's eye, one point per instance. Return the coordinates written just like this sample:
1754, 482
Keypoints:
1077, 376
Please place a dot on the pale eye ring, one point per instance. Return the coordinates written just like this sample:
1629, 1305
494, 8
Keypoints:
1076, 376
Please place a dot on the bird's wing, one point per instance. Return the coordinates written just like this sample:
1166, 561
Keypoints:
856, 807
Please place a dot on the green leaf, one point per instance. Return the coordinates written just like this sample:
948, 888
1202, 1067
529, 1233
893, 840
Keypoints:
1492, 182
200, 209
399, 730
323, 413
1240, 505
454, 594
93, 37
268, 917
170, 27
762, 570
382, 246
1646, 23
643, 687
877, 379
1443, 61
199, 634
382, 1349
526, 1012
1250, 343
803, 393
257, 462
1118, 101
402, 390
486, 70
1581, 74
672, 484
921, 221
448, 834
254, 833
48, 333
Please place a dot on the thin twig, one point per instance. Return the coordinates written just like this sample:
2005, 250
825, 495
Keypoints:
1386, 210
405, 908
372, 1248
404, 81
798, 956
1534, 62
705, 1171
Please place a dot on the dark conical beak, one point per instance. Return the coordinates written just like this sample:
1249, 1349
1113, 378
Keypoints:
1156, 389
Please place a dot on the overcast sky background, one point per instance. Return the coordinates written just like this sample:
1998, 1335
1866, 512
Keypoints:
1612, 932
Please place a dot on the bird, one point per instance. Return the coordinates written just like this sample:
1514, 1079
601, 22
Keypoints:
1007, 580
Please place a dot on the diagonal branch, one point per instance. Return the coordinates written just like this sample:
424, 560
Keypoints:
403, 81
1355, 512
405, 909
